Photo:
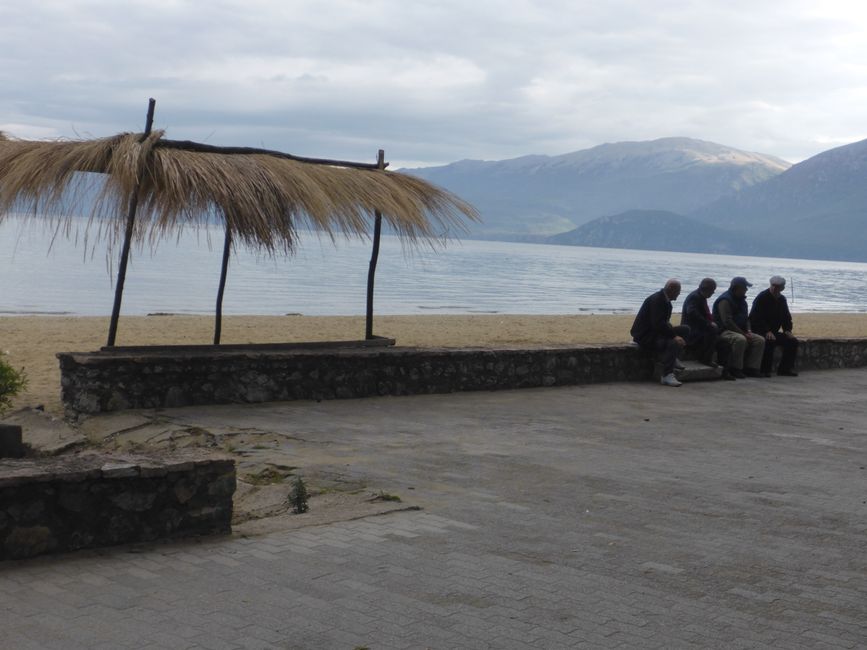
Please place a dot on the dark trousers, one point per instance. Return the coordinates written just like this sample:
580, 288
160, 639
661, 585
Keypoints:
668, 349
790, 351
703, 344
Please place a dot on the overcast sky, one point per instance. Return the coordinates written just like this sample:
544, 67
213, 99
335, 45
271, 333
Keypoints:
432, 82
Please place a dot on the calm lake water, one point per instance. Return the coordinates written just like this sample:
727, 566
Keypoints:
40, 274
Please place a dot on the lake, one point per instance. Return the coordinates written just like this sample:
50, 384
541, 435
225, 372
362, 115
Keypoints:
43, 274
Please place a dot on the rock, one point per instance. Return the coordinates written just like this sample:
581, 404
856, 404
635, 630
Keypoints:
28, 541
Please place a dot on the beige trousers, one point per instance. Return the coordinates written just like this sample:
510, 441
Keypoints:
745, 352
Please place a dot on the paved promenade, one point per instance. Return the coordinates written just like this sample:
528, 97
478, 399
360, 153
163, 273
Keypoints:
716, 515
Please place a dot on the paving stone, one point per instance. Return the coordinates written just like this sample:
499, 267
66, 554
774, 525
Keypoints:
627, 523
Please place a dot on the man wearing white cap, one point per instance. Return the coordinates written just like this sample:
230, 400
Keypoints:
770, 317
731, 313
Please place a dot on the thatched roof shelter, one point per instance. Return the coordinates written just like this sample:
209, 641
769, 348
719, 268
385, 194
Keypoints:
262, 196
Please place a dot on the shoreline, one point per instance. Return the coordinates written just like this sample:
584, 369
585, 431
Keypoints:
427, 312
31, 342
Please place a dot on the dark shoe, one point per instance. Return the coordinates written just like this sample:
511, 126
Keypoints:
708, 363
737, 374
765, 375
751, 372
728, 376
787, 373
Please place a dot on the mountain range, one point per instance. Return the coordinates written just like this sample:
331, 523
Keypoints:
672, 194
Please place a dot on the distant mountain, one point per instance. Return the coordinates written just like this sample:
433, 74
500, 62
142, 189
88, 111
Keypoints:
526, 197
653, 230
816, 209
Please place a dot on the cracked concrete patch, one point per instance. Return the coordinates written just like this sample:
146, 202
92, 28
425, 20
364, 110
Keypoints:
44, 432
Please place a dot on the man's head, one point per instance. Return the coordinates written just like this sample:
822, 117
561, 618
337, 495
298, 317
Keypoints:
778, 283
672, 288
707, 287
738, 286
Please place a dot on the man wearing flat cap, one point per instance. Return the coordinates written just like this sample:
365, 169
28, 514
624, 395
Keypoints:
703, 336
771, 318
731, 313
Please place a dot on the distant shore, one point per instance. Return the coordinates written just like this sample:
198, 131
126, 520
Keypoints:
31, 342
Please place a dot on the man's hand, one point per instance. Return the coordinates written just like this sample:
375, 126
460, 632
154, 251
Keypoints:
679, 340
770, 337
789, 335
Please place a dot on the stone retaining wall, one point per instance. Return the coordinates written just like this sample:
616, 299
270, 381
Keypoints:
66, 503
110, 381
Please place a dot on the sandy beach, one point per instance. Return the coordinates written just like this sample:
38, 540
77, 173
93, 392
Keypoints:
31, 342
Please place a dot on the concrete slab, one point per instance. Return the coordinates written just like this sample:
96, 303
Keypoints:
44, 432
99, 427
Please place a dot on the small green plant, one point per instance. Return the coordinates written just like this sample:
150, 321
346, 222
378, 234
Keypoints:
298, 496
12, 382
385, 496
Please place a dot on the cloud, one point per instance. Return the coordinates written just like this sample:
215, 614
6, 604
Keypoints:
435, 81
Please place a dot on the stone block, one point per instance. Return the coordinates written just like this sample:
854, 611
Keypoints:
119, 470
69, 502
695, 371
11, 445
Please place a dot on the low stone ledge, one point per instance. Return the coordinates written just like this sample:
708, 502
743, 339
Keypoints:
50, 505
98, 381
828, 354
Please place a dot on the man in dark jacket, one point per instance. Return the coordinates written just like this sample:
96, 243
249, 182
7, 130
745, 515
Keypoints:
703, 330
652, 330
771, 318
731, 313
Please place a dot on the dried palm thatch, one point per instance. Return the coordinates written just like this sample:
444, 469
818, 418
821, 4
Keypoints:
264, 197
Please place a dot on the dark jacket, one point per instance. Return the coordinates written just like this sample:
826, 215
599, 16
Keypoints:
653, 320
739, 309
697, 315
770, 314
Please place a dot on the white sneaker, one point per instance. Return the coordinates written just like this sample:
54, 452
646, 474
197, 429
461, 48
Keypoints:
670, 380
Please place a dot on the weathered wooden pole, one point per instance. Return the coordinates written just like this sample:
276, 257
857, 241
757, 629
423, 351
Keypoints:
218, 323
374, 257
130, 223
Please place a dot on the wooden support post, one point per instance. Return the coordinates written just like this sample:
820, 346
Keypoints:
218, 323
374, 257
127, 239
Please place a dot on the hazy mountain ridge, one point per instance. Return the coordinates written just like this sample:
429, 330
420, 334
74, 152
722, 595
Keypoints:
653, 230
544, 195
816, 208
718, 199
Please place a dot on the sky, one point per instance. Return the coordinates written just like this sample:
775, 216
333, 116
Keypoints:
432, 82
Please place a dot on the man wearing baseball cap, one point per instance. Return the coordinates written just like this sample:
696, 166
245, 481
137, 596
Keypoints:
731, 313
771, 318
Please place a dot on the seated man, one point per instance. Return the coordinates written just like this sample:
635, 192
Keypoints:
652, 330
731, 314
770, 314
703, 331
